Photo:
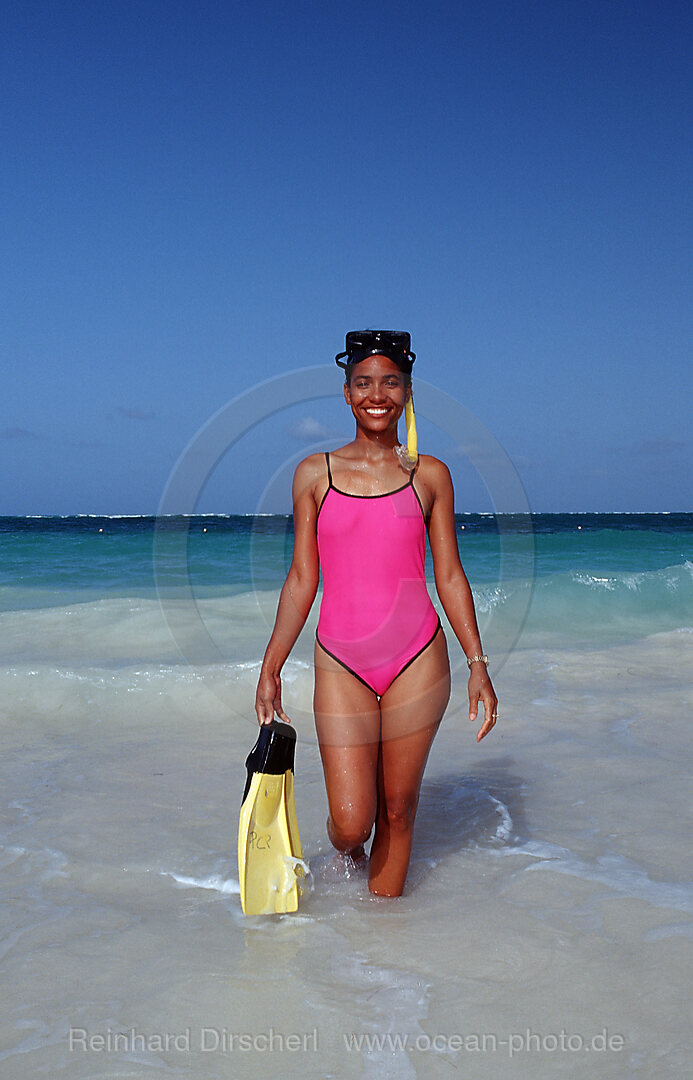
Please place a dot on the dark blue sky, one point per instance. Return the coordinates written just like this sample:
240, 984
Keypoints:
197, 197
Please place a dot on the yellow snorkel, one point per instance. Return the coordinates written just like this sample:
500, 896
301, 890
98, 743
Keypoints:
409, 455
412, 441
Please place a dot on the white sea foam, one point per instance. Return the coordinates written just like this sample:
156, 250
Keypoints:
487, 599
504, 829
615, 872
215, 882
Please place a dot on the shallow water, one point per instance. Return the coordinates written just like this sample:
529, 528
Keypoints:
548, 915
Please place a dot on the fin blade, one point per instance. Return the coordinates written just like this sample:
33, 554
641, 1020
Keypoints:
267, 845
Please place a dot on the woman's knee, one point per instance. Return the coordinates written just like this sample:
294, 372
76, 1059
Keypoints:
348, 831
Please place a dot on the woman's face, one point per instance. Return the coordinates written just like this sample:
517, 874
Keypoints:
376, 393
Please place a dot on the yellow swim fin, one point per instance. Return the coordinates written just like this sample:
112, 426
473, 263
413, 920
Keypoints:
269, 847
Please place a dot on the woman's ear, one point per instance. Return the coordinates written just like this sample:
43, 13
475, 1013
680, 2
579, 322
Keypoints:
347, 393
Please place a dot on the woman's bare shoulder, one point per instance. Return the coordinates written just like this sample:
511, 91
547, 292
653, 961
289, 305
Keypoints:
309, 472
433, 472
314, 467
310, 467
310, 477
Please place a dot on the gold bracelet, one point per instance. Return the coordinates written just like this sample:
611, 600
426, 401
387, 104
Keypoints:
475, 659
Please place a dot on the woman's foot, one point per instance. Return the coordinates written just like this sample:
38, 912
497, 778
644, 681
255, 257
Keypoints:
349, 862
352, 861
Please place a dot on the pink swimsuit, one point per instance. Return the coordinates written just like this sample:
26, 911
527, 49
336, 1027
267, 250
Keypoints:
376, 615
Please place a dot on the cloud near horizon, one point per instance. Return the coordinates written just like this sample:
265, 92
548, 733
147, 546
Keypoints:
309, 428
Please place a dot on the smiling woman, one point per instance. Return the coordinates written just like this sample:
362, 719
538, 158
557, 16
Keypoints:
396, 345
382, 673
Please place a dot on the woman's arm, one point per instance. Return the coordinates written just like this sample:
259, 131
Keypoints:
297, 595
454, 591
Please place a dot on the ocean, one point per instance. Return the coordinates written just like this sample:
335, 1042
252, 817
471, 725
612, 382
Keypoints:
547, 922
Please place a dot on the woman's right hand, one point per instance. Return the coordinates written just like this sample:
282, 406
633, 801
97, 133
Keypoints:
268, 698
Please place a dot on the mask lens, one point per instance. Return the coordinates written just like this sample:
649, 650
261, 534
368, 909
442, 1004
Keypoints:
393, 343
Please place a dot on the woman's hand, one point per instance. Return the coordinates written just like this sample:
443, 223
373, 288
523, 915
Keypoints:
268, 698
480, 688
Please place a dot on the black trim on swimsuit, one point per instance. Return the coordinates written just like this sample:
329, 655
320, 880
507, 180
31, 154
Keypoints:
329, 477
422, 649
381, 495
423, 515
346, 666
404, 668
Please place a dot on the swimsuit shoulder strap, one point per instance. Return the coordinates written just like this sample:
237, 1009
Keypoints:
416, 495
329, 486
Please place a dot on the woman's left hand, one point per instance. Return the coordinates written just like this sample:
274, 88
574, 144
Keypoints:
481, 689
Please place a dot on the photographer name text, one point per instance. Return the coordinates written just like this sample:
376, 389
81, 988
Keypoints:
209, 1040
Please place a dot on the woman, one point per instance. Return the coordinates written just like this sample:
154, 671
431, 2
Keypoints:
382, 674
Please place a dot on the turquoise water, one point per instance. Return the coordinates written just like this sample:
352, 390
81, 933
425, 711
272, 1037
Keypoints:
116, 552
580, 575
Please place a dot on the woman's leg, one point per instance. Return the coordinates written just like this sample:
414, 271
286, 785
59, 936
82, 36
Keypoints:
411, 710
347, 720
